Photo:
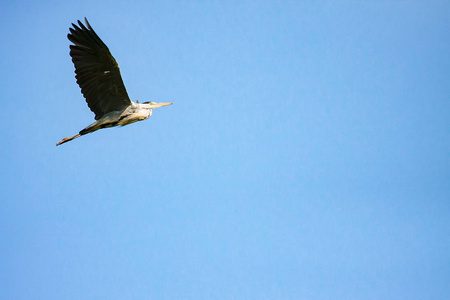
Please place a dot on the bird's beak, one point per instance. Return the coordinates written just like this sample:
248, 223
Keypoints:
162, 104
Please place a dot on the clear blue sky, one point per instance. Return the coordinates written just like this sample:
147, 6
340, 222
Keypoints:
306, 156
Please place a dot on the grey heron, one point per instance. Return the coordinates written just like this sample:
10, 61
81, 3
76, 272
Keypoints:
98, 76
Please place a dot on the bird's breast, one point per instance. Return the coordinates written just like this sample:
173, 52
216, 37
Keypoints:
135, 116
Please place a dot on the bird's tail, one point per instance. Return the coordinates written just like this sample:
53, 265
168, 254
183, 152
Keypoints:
68, 139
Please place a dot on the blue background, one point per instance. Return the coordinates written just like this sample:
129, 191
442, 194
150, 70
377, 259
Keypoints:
306, 156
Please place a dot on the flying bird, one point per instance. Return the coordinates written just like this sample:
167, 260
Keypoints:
98, 76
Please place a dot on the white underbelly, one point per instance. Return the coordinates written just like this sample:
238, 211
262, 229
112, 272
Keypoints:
135, 116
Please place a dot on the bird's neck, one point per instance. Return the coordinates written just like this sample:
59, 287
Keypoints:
143, 106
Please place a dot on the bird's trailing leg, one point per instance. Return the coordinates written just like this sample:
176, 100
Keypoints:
68, 139
108, 120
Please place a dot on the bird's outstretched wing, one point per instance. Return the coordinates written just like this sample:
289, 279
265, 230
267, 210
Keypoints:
97, 72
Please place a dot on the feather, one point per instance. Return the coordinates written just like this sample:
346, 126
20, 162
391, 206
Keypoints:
97, 72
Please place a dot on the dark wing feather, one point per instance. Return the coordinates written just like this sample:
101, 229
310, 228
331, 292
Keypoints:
97, 72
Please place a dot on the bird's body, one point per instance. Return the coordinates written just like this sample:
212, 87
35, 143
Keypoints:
98, 76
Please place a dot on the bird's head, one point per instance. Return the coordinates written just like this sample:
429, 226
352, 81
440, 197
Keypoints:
152, 105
